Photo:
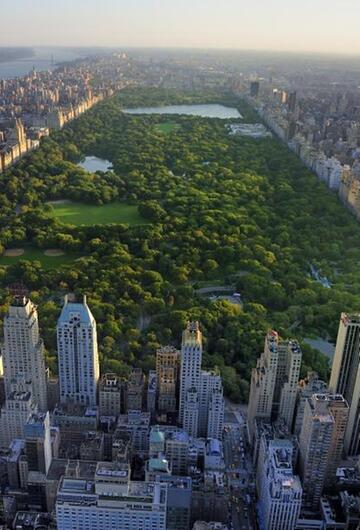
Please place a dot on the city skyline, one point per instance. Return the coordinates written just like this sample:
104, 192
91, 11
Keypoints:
198, 24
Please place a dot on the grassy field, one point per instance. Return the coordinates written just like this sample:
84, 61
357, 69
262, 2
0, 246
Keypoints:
167, 127
36, 254
77, 214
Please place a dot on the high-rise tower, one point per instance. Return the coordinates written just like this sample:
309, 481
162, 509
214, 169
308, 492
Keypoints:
23, 352
77, 354
345, 376
190, 372
274, 381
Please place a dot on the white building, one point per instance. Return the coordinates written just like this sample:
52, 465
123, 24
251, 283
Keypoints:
281, 492
23, 351
306, 388
210, 383
77, 354
16, 412
111, 501
216, 411
345, 376
201, 393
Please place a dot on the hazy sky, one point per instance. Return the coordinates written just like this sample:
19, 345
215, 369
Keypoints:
303, 25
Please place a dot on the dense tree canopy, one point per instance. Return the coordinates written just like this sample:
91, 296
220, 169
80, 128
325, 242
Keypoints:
223, 210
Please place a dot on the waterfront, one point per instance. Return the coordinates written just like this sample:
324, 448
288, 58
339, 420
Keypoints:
211, 110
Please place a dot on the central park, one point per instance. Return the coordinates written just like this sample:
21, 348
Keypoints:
183, 206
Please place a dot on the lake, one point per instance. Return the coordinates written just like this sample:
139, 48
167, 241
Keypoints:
322, 345
93, 163
204, 111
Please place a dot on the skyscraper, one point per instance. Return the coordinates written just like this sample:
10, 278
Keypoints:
274, 381
211, 405
345, 376
18, 409
167, 373
77, 354
190, 373
306, 388
201, 411
315, 441
339, 410
23, 352
281, 492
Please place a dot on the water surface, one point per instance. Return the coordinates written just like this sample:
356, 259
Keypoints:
93, 163
211, 110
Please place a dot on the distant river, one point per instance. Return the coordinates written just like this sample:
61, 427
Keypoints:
44, 59
93, 163
205, 111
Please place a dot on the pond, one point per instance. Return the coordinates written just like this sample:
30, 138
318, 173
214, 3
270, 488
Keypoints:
93, 163
204, 111
322, 345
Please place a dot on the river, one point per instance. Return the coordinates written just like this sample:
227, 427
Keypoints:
46, 58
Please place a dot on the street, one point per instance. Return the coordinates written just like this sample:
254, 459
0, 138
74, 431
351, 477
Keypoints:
239, 471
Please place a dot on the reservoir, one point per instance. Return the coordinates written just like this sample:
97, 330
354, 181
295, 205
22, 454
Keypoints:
204, 111
93, 163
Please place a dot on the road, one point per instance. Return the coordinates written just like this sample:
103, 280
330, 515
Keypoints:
239, 472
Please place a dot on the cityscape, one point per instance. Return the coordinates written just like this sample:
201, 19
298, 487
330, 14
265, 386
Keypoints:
179, 265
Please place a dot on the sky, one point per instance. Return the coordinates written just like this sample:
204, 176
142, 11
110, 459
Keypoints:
284, 25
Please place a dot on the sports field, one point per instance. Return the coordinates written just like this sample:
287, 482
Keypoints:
77, 214
49, 259
167, 127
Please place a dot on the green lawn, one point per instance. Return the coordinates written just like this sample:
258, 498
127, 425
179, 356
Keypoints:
76, 213
36, 254
167, 127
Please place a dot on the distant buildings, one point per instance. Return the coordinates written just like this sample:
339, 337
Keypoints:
78, 357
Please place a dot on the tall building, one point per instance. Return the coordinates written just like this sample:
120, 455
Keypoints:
190, 372
38, 442
77, 354
110, 395
306, 388
135, 390
292, 100
345, 376
211, 405
111, 500
151, 393
280, 495
254, 89
23, 351
18, 409
191, 412
273, 389
339, 410
167, 373
315, 442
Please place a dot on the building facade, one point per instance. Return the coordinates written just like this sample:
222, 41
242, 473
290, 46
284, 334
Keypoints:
345, 376
77, 354
23, 351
